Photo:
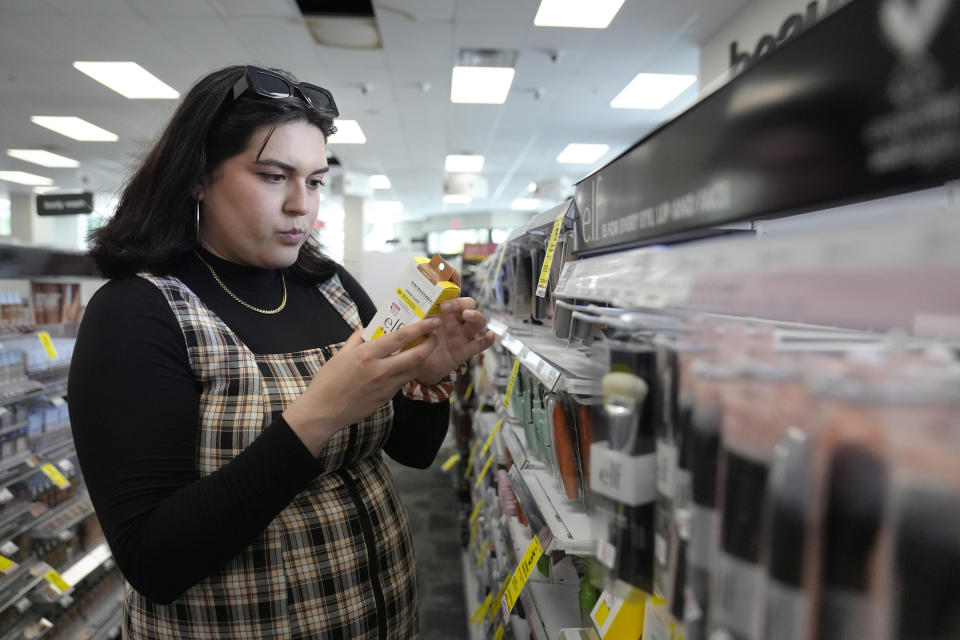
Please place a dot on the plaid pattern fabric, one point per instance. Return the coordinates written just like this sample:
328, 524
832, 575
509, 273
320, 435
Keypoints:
337, 562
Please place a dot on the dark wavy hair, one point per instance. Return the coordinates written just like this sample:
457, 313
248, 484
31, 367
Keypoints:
155, 223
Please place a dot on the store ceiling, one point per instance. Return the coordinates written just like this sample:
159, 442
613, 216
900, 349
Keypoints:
554, 99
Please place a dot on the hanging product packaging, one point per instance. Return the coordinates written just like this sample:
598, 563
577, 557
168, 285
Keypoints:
422, 286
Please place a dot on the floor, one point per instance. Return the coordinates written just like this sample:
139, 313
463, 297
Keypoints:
431, 502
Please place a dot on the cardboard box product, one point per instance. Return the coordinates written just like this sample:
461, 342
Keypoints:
423, 285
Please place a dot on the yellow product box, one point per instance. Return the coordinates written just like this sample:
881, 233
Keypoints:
618, 619
422, 286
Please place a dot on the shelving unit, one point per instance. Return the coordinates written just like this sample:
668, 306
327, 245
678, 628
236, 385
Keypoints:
45, 512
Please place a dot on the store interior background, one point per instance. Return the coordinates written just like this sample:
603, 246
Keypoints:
391, 73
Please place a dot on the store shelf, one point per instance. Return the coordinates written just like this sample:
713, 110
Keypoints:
102, 621
86, 565
470, 586
14, 427
52, 524
550, 608
567, 521
33, 627
554, 362
20, 518
20, 391
18, 469
20, 582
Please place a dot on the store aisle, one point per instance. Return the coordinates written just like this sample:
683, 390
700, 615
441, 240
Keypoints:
430, 500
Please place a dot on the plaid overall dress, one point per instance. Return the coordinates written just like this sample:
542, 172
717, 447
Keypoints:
338, 561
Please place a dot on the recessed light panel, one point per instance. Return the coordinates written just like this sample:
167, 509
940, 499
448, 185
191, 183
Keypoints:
348, 132
22, 177
43, 158
76, 128
652, 90
464, 164
576, 153
596, 14
457, 198
379, 181
481, 85
128, 79
525, 204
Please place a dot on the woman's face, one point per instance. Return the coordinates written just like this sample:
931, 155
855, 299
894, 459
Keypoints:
259, 209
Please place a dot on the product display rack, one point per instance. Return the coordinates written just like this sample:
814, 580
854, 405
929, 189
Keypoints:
60, 580
840, 309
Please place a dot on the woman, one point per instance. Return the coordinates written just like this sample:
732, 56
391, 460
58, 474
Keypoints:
228, 417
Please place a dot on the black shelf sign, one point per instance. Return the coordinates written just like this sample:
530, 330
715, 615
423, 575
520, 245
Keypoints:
863, 105
67, 204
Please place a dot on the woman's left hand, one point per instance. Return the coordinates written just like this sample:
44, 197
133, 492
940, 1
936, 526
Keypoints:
461, 335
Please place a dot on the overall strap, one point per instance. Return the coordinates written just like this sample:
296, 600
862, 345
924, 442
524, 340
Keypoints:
334, 291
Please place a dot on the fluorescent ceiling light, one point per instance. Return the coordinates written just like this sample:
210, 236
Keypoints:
457, 198
379, 181
21, 177
41, 157
582, 153
348, 132
481, 85
76, 128
388, 207
652, 90
597, 14
525, 204
128, 79
464, 164
43, 190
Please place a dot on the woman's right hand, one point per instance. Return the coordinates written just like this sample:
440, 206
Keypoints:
358, 380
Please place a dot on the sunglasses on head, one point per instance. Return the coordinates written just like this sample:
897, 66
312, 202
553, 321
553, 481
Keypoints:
269, 84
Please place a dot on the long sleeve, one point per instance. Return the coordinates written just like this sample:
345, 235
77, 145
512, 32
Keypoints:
134, 411
418, 427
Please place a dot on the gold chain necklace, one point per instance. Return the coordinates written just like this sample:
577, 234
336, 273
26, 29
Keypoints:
268, 312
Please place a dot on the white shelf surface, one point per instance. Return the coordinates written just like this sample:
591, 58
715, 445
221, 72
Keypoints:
568, 519
550, 608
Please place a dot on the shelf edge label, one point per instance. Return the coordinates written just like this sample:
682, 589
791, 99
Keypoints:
548, 258
513, 380
486, 445
520, 576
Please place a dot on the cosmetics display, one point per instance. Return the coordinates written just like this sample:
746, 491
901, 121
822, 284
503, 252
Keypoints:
716, 474
57, 578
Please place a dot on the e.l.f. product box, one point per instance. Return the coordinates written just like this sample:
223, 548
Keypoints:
422, 286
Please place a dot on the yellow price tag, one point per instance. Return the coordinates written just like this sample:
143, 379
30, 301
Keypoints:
483, 472
55, 476
47, 343
468, 392
483, 552
503, 588
520, 576
473, 450
6, 564
499, 634
481, 610
56, 581
548, 258
486, 445
452, 460
476, 510
473, 530
512, 381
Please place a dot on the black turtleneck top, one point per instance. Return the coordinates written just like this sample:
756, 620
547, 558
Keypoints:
134, 410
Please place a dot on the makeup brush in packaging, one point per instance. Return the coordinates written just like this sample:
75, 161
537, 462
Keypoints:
631, 526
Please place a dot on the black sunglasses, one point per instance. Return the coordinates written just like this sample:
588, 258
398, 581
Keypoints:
269, 84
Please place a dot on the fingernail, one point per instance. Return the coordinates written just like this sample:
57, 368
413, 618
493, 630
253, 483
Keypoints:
446, 307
